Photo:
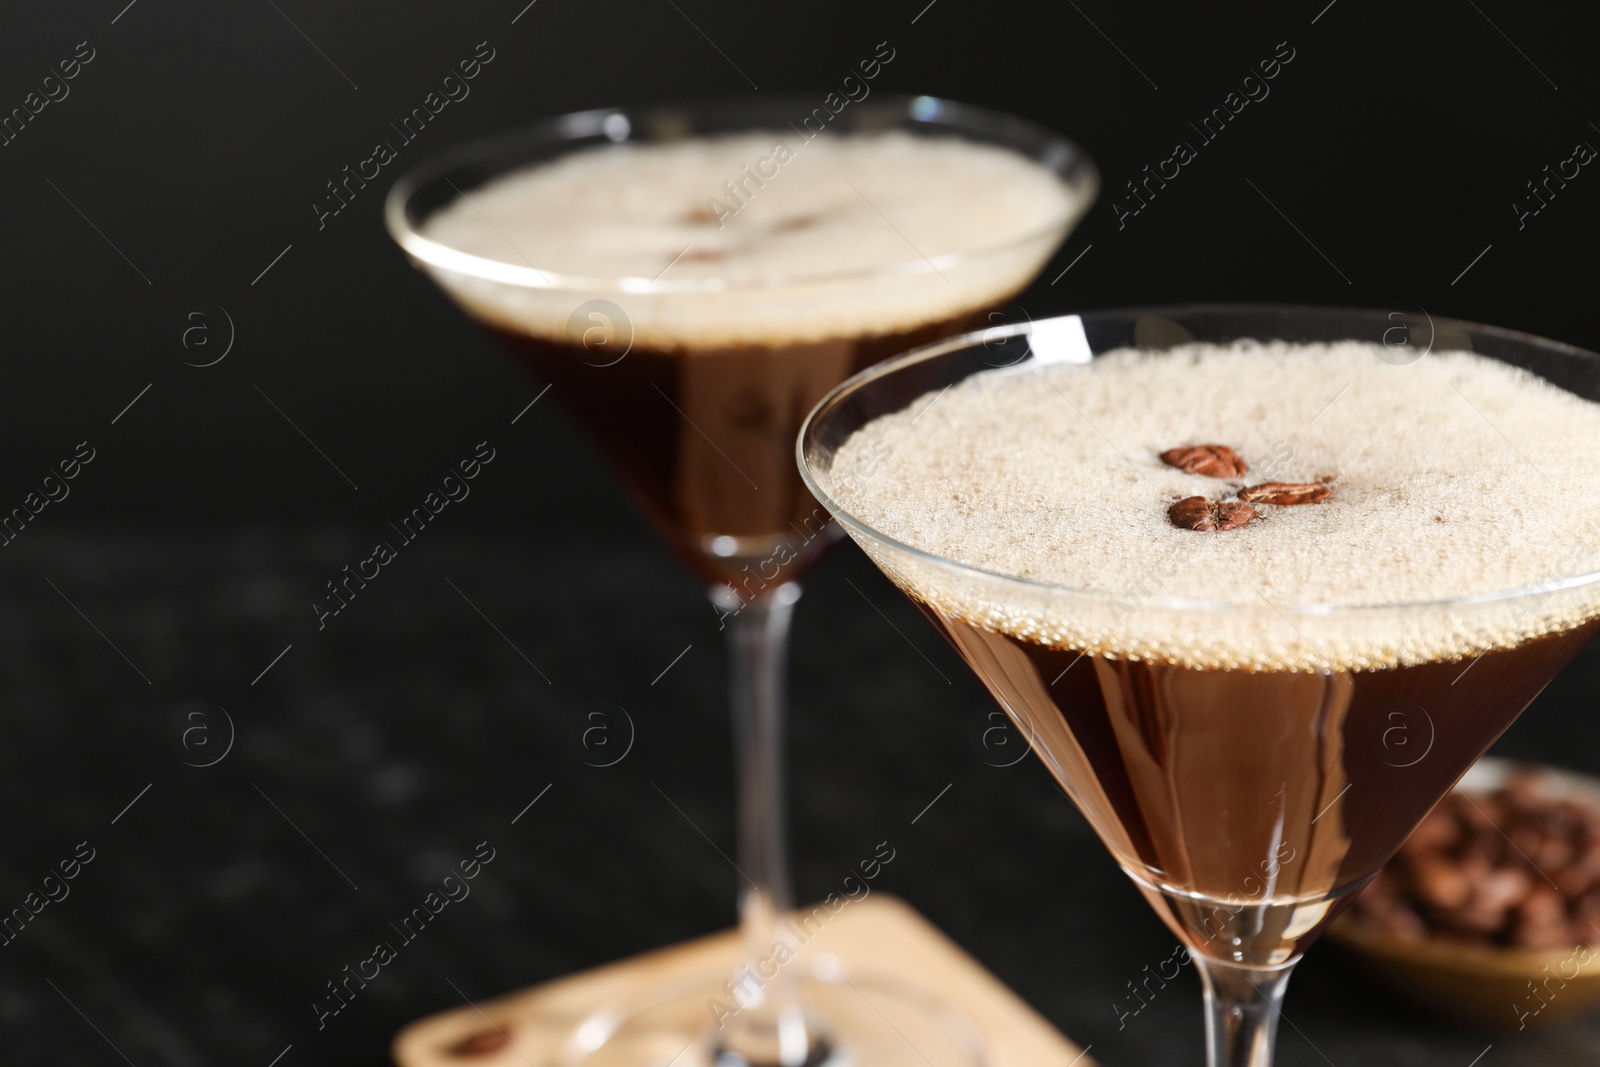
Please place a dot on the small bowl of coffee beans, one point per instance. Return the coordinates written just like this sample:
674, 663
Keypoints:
1490, 912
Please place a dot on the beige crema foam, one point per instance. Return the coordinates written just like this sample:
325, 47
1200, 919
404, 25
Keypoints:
794, 251
1454, 476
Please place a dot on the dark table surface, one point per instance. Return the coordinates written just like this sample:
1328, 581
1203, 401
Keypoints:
379, 751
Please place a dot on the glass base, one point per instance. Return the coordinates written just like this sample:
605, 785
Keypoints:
865, 1020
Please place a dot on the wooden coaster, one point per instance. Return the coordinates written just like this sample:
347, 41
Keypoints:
879, 934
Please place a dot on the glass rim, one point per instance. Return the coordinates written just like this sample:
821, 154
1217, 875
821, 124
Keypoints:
853, 384
1066, 159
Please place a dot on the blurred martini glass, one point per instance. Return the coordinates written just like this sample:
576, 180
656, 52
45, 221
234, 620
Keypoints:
691, 280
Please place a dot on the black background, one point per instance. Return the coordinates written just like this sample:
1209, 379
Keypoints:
187, 157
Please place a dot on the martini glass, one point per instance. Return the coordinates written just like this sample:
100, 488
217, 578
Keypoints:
700, 432
1247, 804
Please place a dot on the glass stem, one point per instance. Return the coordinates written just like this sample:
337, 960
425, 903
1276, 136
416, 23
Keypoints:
1242, 1009
769, 1028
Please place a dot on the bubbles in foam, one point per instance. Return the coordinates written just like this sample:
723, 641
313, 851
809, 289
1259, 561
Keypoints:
1455, 476
839, 236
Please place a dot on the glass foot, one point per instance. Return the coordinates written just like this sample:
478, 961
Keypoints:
870, 1021
821, 1054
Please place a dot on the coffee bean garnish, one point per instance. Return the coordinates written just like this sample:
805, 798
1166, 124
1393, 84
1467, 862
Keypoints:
1198, 513
1285, 494
1220, 461
1213, 461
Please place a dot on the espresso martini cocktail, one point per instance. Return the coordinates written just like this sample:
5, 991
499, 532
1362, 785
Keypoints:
691, 281
1257, 604
754, 297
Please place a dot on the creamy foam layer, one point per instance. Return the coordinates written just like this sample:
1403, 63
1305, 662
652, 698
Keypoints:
794, 210
1453, 476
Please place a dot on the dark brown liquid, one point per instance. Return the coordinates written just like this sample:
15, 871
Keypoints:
1250, 806
704, 439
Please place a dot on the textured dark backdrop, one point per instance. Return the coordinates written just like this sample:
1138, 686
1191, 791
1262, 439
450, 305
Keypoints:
171, 190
